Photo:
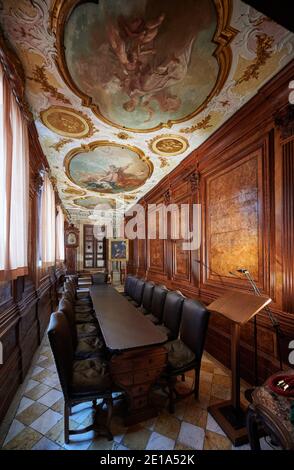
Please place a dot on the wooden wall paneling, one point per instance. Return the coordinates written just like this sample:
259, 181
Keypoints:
10, 370
156, 248
285, 124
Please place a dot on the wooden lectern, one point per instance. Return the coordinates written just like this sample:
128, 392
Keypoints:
239, 308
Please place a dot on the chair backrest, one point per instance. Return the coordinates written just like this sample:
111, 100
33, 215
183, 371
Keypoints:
147, 295
158, 299
194, 325
60, 341
99, 278
69, 286
139, 290
66, 307
127, 284
132, 286
74, 278
172, 312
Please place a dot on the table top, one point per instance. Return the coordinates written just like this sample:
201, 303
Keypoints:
239, 307
122, 325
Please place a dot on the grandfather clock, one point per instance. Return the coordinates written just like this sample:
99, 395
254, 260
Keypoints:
71, 242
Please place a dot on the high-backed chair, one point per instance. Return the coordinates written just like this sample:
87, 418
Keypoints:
172, 312
84, 346
138, 293
126, 291
69, 286
157, 304
81, 381
99, 278
185, 353
132, 287
147, 297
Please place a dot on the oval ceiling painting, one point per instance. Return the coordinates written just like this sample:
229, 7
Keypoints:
93, 202
107, 167
144, 64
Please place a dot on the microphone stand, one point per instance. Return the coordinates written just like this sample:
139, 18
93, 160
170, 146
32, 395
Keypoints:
275, 325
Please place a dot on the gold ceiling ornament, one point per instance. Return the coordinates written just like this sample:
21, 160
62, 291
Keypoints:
123, 135
168, 145
75, 191
163, 162
129, 197
263, 53
203, 124
39, 76
60, 144
67, 122
224, 34
85, 148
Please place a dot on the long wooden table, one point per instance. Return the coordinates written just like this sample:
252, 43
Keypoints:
138, 357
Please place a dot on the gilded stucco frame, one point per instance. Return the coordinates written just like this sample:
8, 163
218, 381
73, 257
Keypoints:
223, 36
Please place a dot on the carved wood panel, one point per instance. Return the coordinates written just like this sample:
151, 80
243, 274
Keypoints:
234, 219
288, 226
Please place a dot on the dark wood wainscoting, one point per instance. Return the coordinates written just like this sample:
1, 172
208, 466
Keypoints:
243, 177
24, 316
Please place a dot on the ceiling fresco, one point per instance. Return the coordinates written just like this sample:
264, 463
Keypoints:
121, 92
92, 167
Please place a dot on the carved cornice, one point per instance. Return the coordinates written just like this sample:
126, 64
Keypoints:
13, 69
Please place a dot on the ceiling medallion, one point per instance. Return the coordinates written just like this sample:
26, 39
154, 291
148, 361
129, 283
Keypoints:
107, 167
67, 122
168, 145
94, 202
158, 82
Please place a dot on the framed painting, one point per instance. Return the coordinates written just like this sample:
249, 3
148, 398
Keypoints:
118, 249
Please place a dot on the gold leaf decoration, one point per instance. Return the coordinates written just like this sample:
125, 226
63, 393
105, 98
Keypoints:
39, 76
163, 162
60, 144
263, 53
168, 144
123, 135
72, 190
204, 124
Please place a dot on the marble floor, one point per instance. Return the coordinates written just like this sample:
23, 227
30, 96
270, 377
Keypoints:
36, 422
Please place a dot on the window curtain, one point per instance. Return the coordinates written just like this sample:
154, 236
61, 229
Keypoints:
59, 235
48, 218
14, 185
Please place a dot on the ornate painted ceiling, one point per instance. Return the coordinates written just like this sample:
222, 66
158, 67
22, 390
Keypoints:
121, 92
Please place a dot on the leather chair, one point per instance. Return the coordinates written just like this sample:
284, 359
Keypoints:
147, 298
81, 293
132, 287
157, 304
126, 291
69, 286
185, 353
84, 345
138, 293
99, 278
83, 314
81, 381
172, 312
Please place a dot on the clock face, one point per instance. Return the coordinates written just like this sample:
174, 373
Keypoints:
71, 238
